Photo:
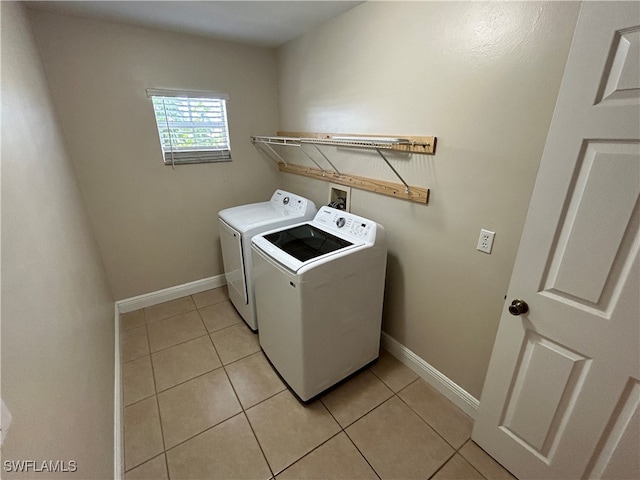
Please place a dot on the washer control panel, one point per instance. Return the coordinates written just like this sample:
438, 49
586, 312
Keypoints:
289, 202
346, 223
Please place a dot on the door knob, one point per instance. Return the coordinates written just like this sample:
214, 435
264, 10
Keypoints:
518, 307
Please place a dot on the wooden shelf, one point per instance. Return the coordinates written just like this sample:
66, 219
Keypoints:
378, 143
397, 190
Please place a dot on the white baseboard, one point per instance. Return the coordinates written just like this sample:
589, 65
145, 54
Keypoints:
459, 396
118, 454
171, 293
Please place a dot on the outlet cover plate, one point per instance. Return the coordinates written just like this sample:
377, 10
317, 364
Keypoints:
485, 241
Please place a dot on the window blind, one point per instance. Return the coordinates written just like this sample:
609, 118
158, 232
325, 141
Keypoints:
192, 126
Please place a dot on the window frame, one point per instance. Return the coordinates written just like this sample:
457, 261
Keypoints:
197, 155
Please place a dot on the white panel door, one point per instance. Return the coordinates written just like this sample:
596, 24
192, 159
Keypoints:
562, 394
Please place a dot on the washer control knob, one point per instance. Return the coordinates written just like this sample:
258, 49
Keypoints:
286, 200
340, 222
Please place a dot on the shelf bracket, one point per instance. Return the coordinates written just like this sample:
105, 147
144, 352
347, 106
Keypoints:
324, 173
406, 186
275, 153
327, 159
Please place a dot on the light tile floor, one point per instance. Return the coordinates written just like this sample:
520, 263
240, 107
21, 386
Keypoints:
202, 402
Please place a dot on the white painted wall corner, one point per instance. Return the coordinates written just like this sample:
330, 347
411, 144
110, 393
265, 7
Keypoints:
118, 405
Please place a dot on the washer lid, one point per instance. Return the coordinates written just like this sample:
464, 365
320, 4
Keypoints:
245, 216
282, 206
305, 242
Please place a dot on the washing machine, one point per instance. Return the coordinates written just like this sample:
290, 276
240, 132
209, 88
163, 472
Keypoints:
238, 225
319, 288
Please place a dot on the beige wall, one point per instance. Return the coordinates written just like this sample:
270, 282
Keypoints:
483, 78
156, 227
57, 310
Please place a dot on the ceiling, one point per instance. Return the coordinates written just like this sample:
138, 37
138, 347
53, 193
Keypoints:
260, 23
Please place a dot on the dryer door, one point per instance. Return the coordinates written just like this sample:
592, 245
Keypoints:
234, 272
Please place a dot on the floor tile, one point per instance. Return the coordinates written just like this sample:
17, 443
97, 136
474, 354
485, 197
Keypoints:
172, 331
154, 469
134, 344
336, 459
183, 362
484, 463
196, 428
448, 420
131, 320
392, 372
137, 380
209, 297
287, 429
169, 309
254, 380
194, 406
219, 316
356, 397
142, 434
234, 343
457, 469
397, 443
226, 451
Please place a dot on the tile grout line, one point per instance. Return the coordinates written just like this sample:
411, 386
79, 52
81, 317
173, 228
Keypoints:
164, 447
196, 376
182, 442
176, 385
264, 455
425, 421
396, 394
443, 465
186, 341
155, 388
153, 376
469, 461
420, 417
244, 411
343, 429
195, 307
455, 450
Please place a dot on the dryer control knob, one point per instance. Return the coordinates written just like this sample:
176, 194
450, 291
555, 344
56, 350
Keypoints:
340, 222
286, 200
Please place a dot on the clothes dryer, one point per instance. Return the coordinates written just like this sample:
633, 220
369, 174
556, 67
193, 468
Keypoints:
238, 225
319, 288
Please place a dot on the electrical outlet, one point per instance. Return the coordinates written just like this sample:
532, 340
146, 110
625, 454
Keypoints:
485, 241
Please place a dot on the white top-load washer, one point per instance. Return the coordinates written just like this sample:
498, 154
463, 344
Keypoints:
238, 225
319, 289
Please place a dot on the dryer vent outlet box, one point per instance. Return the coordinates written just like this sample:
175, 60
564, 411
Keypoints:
339, 197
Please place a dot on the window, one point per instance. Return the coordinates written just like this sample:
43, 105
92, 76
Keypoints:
192, 126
